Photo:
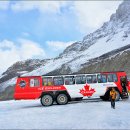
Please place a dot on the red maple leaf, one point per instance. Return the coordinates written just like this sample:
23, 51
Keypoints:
86, 91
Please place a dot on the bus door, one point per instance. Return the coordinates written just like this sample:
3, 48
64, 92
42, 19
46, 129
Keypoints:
34, 85
21, 88
123, 81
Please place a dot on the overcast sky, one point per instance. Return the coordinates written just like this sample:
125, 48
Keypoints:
37, 29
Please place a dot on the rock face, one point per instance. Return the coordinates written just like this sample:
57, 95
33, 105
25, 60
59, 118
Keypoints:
106, 49
21, 67
116, 60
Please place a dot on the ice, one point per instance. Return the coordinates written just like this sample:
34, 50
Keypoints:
30, 114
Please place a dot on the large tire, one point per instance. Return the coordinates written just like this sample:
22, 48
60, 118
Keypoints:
62, 99
47, 100
118, 96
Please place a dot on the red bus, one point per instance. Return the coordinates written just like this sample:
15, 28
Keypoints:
65, 88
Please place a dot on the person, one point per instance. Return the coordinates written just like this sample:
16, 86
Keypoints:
123, 83
113, 95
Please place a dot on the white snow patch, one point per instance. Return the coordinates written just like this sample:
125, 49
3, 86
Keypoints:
30, 114
2, 76
8, 83
22, 72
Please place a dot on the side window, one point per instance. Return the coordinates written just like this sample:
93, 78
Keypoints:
34, 82
112, 78
91, 79
80, 79
22, 83
47, 81
102, 78
115, 78
99, 79
58, 81
94, 78
69, 80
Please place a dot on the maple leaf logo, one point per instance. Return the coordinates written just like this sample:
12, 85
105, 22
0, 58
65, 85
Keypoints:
86, 91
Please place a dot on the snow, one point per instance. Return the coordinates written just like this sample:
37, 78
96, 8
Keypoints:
30, 114
22, 72
50, 66
101, 47
8, 83
1, 76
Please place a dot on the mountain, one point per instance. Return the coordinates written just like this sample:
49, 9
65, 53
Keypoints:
106, 49
116, 60
21, 67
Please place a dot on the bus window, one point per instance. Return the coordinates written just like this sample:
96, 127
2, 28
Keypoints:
91, 79
22, 83
47, 81
69, 80
34, 82
80, 79
58, 81
102, 78
112, 78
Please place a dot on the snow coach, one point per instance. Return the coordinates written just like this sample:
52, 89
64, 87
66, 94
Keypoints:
65, 88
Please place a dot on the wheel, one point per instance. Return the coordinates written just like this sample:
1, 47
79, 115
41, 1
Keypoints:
118, 96
62, 99
47, 100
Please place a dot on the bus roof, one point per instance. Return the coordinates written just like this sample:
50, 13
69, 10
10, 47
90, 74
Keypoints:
71, 74
83, 73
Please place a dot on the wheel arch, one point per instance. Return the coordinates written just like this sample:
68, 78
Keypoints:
45, 93
54, 94
107, 93
63, 92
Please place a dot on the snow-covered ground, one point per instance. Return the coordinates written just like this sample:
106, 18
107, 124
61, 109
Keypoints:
90, 115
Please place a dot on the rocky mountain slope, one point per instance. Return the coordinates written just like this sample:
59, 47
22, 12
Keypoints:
116, 60
21, 67
106, 49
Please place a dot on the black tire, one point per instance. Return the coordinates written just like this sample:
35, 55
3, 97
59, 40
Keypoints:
118, 96
62, 99
47, 100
